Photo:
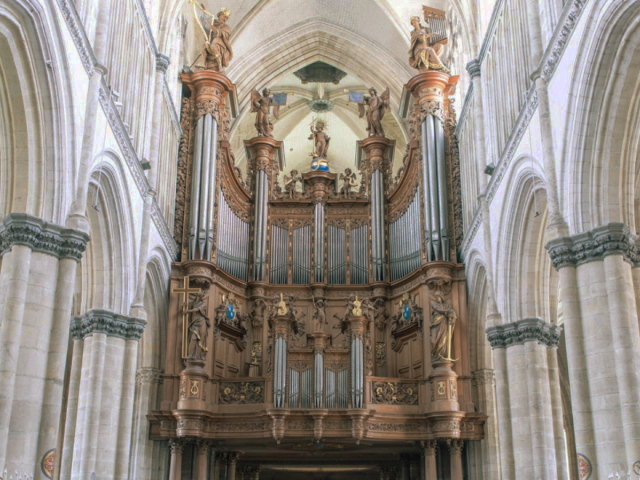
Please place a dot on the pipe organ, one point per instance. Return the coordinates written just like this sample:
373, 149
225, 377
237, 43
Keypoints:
322, 302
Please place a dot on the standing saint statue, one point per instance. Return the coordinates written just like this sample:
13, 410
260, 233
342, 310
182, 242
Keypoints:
290, 183
349, 179
377, 107
443, 320
217, 53
320, 315
198, 326
260, 105
422, 55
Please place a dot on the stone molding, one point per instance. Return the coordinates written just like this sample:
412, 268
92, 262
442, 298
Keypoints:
148, 375
523, 331
594, 245
474, 68
485, 376
109, 323
41, 236
162, 63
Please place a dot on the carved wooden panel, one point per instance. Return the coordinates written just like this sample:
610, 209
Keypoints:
409, 363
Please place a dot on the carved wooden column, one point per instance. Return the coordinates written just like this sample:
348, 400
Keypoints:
233, 461
175, 469
211, 90
429, 454
263, 164
320, 184
455, 455
405, 463
202, 451
377, 167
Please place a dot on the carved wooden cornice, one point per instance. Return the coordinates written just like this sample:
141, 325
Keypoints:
523, 331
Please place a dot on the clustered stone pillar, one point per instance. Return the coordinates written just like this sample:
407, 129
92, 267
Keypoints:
603, 343
106, 367
36, 289
429, 459
491, 452
526, 387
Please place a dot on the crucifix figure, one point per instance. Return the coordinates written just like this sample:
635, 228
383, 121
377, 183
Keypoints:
185, 291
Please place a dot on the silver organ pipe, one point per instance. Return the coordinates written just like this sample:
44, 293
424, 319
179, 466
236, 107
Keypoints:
319, 243
337, 255
358, 245
302, 255
203, 175
377, 227
434, 183
233, 242
279, 262
260, 227
404, 241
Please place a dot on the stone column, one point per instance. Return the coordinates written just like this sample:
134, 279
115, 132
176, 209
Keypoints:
485, 380
430, 465
217, 459
148, 379
562, 472
455, 454
175, 468
529, 396
72, 403
603, 343
505, 437
125, 420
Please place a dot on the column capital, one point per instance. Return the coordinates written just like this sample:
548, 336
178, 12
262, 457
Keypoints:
485, 376
41, 236
175, 446
148, 375
162, 63
109, 323
455, 445
211, 89
429, 447
474, 68
523, 331
611, 239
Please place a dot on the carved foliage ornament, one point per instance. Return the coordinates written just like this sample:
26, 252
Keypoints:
240, 393
389, 393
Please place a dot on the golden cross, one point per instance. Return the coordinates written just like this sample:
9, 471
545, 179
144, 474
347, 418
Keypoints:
185, 291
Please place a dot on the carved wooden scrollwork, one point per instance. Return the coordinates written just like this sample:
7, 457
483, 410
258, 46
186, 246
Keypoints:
391, 393
240, 393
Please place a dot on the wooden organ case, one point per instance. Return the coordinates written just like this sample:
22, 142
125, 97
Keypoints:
285, 359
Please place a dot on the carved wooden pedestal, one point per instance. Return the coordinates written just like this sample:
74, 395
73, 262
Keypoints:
444, 385
192, 404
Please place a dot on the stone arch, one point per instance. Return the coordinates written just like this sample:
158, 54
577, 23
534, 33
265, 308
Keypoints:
479, 349
527, 281
602, 170
108, 267
35, 166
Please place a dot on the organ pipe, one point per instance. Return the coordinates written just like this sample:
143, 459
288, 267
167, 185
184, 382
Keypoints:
203, 175
233, 242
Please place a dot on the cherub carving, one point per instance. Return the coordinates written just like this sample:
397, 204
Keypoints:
261, 105
290, 183
349, 178
377, 107
380, 314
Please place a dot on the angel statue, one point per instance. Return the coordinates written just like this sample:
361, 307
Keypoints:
217, 52
320, 147
260, 105
443, 320
422, 55
291, 182
378, 106
198, 326
349, 178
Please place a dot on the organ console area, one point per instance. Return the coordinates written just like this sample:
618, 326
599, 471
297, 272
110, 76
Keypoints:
323, 318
